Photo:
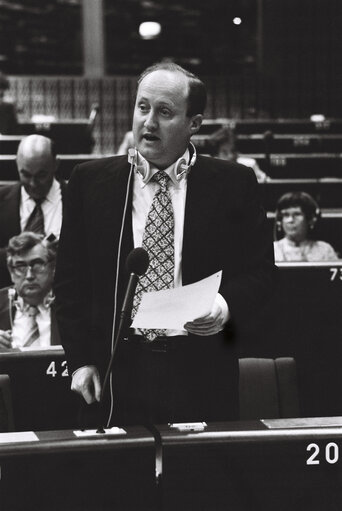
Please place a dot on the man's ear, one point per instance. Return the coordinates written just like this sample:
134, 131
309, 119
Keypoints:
196, 121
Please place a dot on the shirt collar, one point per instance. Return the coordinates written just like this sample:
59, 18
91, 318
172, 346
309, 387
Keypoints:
23, 307
170, 171
51, 196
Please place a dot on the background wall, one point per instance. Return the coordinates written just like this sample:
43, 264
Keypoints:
72, 97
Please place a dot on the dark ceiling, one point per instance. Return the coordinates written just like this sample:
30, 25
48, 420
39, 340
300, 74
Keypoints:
45, 36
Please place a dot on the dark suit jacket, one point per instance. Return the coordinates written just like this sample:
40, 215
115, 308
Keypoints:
224, 229
5, 322
10, 222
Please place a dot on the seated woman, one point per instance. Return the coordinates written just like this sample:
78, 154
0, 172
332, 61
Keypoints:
296, 216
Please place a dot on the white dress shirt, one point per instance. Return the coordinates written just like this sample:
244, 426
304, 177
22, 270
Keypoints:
20, 328
143, 192
52, 209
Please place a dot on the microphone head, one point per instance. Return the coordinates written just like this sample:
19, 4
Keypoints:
137, 261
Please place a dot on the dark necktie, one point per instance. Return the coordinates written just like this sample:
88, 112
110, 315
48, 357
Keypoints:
35, 223
158, 240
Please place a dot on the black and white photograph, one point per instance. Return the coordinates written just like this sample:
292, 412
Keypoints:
170, 255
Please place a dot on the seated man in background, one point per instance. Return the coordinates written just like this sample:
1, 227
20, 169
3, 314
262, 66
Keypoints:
26, 310
295, 220
36, 202
224, 140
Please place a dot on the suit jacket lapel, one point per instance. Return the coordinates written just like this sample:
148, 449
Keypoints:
201, 204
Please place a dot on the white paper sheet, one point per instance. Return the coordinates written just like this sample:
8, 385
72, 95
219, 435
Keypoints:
172, 308
19, 436
93, 432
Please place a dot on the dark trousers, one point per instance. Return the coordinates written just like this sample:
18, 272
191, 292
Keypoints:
175, 379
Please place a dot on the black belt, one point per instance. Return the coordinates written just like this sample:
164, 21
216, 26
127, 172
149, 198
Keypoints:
161, 344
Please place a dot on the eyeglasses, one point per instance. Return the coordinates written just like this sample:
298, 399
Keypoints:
36, 266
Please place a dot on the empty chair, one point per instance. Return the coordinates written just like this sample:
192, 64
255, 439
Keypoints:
268, 388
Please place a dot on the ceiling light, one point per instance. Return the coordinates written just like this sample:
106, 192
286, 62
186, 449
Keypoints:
149, 29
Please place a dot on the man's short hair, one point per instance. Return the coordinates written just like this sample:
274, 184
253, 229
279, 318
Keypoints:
22, 243
197, 98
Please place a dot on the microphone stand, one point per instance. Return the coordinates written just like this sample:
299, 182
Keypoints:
124, 325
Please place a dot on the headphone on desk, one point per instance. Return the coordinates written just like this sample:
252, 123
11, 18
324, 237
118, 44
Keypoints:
142, 166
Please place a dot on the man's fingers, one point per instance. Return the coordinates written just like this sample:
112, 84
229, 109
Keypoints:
86, 381
97, 387
88, 395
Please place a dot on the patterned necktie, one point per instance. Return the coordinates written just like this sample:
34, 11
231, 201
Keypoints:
35, 223
32, 333
158, 240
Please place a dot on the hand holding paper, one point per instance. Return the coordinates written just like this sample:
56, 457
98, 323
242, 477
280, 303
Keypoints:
172, 308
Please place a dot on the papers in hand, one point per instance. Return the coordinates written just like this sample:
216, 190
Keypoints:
172, 308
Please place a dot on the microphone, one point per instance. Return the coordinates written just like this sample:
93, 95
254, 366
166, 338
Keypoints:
136, 264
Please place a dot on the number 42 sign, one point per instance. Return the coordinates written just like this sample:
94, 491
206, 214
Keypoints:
57, 369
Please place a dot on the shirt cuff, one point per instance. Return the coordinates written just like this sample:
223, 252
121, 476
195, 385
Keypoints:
78, 369
221, 302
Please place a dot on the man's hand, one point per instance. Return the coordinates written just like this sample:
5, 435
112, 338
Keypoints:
86, 382
6, 339
210, 324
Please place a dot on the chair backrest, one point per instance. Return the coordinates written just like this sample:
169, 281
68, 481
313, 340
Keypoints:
268, 388
6, 407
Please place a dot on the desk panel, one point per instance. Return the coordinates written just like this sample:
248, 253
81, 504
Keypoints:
60, 471
314, 165
66, 163
327, 192
9, 143
240, 467
70, 136
40, 386
253, 126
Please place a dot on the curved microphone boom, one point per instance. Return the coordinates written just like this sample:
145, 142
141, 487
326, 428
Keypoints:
136, 264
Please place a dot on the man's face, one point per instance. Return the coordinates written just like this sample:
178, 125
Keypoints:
36, 173
32, 282
161, 128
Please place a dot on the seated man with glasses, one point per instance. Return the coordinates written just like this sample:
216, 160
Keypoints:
27, 318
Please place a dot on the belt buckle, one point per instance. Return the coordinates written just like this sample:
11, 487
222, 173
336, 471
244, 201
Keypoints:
160, 345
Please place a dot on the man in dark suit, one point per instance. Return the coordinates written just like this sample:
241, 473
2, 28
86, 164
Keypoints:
37, 192
214, 222
27, 317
